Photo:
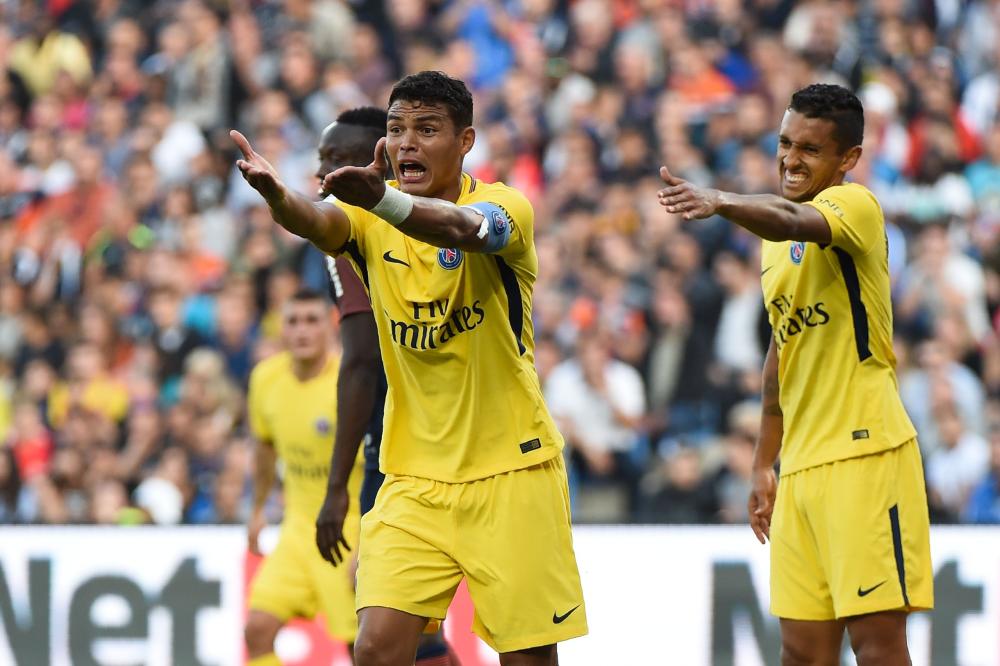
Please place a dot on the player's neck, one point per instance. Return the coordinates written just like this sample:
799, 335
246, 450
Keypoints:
306, 369
454, 189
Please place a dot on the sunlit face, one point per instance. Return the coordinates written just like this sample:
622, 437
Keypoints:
305, 329
425, 148
809, 159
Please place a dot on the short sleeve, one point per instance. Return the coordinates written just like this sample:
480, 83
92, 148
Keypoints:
346, 289
855, 218
360, 220
255, 413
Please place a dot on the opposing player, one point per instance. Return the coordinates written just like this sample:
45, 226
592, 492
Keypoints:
292, 407
475, 486
849, 528
361, 387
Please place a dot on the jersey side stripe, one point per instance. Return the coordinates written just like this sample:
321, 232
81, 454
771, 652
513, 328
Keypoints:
859, 314
515, 308
352, 249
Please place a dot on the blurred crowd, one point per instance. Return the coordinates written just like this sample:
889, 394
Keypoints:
140, 277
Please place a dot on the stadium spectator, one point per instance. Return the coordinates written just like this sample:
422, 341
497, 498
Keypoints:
961, 460
124, 224
983, 506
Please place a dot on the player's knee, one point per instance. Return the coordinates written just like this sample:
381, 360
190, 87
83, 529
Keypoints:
887, 650
259, 633
799, 653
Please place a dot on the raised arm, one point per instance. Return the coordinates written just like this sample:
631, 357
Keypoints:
325, 225
763, 480
433, 221
766, 215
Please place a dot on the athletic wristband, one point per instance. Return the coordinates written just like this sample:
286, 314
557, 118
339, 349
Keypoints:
394, 207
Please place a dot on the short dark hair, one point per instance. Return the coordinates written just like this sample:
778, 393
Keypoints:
305, 295
431, 87
836, 104
364, 116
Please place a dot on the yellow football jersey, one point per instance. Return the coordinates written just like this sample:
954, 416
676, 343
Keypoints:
298, 418
830, 310
457, 343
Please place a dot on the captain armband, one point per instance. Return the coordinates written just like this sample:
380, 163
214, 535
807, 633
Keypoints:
495, 227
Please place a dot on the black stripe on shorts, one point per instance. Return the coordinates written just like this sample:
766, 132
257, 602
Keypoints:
897, 549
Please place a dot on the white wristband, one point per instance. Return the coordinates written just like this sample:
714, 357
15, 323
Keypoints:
394, 207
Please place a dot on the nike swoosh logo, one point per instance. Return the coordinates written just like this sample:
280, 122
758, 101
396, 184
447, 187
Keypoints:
865, 593
393, 260
765, 270
557, 619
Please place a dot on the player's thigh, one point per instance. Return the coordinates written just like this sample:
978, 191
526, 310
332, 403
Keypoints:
811, 643
282, 586
260, 631
871, 521
545, 655
879, 638
799, 588
387, 636
403, 561
517, 555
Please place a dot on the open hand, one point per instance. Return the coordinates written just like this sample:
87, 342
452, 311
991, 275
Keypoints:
764, 488
330, 527
687, 199
359, 186
257, 171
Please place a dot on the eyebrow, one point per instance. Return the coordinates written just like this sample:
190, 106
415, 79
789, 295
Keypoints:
422, 118
784, 138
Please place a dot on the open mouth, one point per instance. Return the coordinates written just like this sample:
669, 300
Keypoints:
411, 172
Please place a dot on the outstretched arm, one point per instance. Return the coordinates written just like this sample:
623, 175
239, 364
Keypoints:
433, 221
325, 225
766, 215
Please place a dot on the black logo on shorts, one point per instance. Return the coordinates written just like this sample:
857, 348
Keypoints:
865, 593
557, 619
531, 446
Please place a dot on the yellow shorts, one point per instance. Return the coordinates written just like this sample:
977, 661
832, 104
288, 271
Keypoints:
295, 581
852, 537
509, 535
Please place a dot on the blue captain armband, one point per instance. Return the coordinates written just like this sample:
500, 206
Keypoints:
496, 225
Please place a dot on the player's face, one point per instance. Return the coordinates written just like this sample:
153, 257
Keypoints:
425, 148
305, 329
344, 145
809, 159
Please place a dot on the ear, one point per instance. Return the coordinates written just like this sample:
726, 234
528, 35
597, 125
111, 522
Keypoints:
850, 159
467, 138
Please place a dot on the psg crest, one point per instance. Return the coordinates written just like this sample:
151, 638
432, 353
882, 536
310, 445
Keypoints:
499, 222
797, 251
449, 258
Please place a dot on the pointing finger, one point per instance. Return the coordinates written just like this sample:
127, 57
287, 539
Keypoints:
242, 143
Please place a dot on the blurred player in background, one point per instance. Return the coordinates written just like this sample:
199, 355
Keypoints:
850, 541
475, 485
292, 407
361, 387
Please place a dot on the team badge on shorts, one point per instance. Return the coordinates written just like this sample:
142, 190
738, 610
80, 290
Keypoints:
449, 258
797, 251
499, 222
323, 425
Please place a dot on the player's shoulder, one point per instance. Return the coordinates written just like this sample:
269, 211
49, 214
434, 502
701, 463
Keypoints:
270, 368
509, 198
851, 195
